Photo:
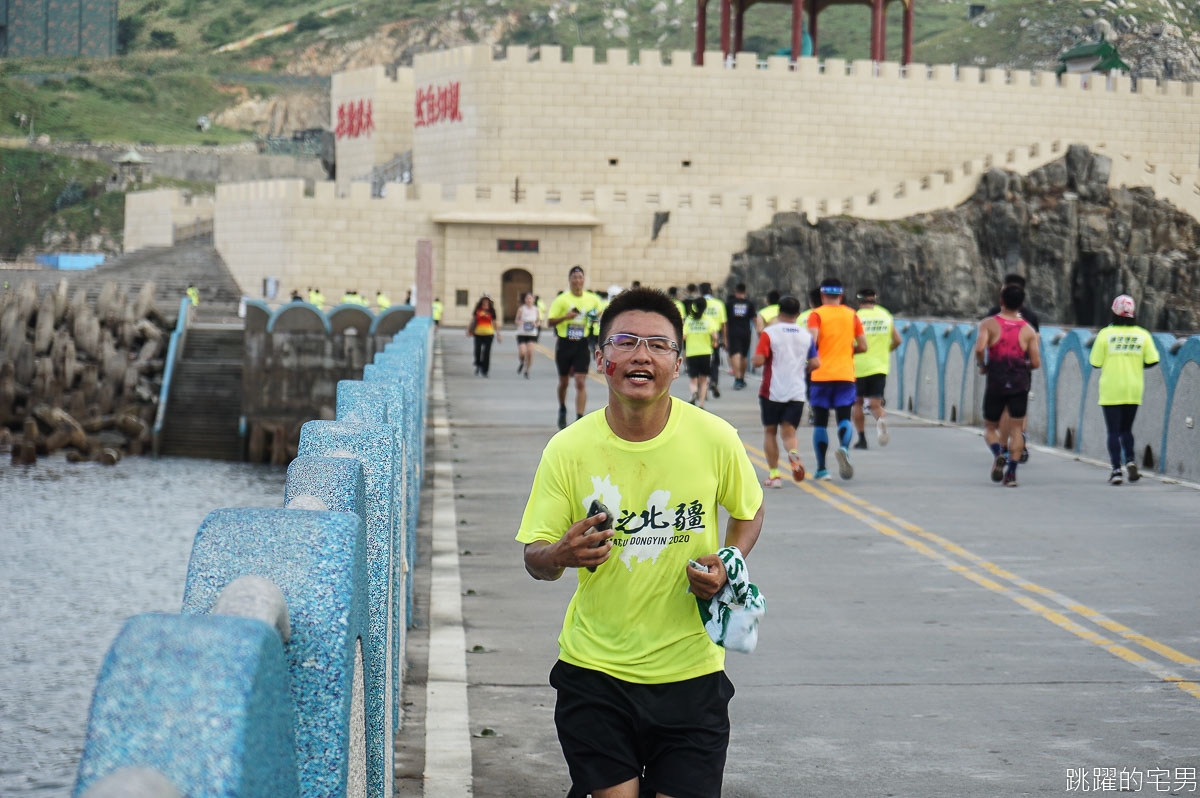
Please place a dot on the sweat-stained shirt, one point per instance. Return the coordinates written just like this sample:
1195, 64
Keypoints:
634, 618
836, 328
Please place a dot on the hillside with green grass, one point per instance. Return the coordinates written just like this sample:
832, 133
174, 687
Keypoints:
171, 73
52, 202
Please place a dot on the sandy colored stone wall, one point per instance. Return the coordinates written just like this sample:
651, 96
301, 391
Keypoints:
823, 128
152, 216
390, 132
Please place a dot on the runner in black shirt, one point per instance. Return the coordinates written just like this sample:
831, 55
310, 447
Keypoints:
739, 328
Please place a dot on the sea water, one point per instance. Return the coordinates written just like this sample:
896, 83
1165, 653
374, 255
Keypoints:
83, 547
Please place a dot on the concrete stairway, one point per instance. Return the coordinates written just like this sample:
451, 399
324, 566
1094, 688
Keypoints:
206, 396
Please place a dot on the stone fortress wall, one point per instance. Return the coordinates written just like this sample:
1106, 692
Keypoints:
581, 156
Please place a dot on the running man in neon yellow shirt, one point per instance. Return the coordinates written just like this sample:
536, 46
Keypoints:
1122, 351
569, 317
632, 642
871, 367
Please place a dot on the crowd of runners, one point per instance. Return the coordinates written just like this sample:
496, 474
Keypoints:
835, 359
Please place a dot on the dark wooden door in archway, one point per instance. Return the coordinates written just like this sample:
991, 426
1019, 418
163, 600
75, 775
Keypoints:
515, 283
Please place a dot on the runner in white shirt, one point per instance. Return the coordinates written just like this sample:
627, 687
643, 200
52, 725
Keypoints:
786, 351
528, 320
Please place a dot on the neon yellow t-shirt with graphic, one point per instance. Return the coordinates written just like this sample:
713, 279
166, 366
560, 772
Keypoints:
1122, 353
634, 618
877, 326
715, 310
575, 329
697, 335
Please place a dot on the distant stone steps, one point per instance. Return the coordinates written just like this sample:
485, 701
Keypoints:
205, 405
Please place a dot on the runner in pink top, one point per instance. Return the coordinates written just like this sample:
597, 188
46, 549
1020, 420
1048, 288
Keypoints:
1010, 346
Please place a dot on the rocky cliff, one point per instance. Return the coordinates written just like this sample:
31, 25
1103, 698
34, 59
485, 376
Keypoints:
1079, 243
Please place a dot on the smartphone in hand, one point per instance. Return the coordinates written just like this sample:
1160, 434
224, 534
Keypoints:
596, 508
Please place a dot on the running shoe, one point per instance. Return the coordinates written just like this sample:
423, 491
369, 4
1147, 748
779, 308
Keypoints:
1132, 470
526, 375
520, 367
822, 474
1115, 477
773, 482
797, 466
845, 470
881, 428
998, 467
1024, 448
695, 397
562, 418
739, 385
1010, 480
862, 443
716, 392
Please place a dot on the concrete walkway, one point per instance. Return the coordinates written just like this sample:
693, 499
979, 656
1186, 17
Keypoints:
929, 633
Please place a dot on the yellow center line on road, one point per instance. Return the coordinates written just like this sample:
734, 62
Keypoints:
850, 504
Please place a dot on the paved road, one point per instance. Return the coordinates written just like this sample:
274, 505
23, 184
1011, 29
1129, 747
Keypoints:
929, 633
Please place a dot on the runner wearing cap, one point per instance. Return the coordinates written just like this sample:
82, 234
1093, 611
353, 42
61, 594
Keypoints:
1122, 351
840, 336
871, 367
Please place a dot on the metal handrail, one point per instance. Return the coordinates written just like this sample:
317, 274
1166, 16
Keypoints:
174, 355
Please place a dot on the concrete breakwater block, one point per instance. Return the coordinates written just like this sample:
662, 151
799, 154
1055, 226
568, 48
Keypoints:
374, 447
318, 561
202, 700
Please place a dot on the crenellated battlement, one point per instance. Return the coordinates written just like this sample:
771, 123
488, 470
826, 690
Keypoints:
748, 65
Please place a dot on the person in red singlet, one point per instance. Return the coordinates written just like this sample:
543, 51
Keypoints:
1010, 347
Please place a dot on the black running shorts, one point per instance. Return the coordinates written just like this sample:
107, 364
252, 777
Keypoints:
871, 386
571, 356
699, 366
526, 339
610, 730
739, 344
994, 405
775, 413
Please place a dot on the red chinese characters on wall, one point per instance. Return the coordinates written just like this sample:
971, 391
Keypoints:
355, 119
436, 104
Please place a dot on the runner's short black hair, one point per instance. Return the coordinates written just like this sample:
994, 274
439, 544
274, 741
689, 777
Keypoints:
740, 287
650, 300
573, 269
814, 298
866, 293
772, 297
673, 291
706, 288
1012, 297
789, 306
1014, 279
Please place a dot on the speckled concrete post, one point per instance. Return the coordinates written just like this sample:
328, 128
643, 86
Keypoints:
318, 561
335, 482
375, 448
202, 700
367, 403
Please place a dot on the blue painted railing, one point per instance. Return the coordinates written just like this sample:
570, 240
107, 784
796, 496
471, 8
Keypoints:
934, 376
174, 354
225, 701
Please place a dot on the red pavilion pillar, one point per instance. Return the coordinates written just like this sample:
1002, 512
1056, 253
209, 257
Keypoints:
906, 57
798, 27
739, 25
701, 30
877, 19
725, 27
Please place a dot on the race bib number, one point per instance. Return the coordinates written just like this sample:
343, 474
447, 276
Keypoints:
528, 326
574, 333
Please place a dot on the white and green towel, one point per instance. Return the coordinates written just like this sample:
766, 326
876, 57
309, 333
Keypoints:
731, 616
